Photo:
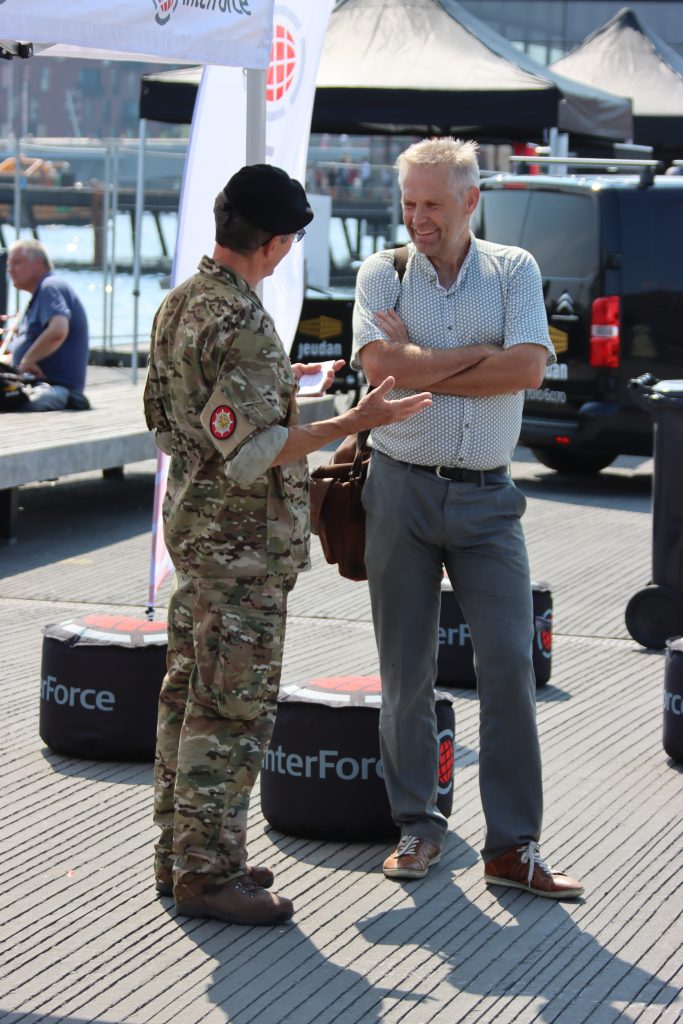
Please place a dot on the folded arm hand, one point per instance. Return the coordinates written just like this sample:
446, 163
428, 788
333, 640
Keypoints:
411, 365
470, 370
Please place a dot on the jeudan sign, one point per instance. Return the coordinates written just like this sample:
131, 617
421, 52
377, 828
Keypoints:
228, 32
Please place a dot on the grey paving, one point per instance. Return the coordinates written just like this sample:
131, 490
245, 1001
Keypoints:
83, 939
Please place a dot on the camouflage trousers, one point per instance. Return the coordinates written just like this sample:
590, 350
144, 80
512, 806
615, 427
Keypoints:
216, 715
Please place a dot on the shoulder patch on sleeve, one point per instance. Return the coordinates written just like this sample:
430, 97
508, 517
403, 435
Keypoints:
226, 425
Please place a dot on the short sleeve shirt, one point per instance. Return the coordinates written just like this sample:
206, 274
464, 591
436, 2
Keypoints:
497, 299
55, 297
211, 332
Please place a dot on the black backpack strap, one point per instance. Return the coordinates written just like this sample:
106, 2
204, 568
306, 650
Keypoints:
401, 255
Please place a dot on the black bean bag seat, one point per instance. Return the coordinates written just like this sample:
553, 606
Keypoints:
100, 680
456, 656
322, 774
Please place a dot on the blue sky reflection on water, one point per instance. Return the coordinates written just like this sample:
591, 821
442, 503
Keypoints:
74, 244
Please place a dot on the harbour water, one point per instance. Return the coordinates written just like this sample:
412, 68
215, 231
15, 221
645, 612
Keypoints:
112, 319
109, 304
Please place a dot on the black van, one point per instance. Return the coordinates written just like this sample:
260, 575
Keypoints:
610, 250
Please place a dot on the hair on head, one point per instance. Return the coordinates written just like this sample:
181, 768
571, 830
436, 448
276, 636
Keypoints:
458, 155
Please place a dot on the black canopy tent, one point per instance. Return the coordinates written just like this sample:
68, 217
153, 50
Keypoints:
416, 66
169, 96
629, 57
402, 65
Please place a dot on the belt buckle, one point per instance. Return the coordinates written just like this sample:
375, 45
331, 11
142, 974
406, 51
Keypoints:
437, 470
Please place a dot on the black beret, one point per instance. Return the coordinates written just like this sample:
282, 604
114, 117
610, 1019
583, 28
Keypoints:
269, 199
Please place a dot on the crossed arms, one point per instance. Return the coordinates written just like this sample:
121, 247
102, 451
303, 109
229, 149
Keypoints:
471, 370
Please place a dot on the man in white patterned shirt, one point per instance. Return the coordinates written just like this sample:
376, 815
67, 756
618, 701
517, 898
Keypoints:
466, 322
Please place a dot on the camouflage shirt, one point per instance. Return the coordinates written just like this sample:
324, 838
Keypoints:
220, 391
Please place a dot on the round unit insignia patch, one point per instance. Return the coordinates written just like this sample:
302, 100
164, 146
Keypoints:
223, 422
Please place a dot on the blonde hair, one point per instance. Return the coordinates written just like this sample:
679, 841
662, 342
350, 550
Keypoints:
459, 156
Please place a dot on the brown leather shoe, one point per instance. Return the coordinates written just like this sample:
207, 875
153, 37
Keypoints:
240, 901
523, 868
412, 858
260, 874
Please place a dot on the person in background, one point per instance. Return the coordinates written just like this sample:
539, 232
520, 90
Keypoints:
468, 323
220, 397
52, 337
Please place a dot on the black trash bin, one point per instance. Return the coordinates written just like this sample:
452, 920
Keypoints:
672, 735
655, 614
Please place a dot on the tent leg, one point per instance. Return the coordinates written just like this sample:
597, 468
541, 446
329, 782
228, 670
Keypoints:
559, 146
256, 116
256, 124
137, 244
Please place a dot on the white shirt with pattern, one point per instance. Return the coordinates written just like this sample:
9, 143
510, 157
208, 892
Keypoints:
497, 299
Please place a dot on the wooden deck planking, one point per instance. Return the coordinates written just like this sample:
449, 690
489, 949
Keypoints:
96, 945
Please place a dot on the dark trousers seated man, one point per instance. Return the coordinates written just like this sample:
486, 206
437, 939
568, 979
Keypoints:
52, 338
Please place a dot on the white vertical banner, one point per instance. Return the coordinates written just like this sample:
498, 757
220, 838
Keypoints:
217, 146
203, 179
299, 28
160, 564
217, 141
217, 149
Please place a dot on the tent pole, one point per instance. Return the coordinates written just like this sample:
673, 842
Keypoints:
256, 124
559, 146
115, 210
256, 116
137, 244
17, 185
104, 249
17, 201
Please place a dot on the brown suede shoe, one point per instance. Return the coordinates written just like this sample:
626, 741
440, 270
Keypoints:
240, 901
260, 874
412, 858
523, 868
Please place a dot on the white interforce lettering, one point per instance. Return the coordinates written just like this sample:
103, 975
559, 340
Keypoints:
454, 636
87, 698
323, 765
672, 702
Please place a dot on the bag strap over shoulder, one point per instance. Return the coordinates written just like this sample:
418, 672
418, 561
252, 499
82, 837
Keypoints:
401, 255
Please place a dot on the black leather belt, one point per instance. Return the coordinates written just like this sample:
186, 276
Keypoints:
460, 475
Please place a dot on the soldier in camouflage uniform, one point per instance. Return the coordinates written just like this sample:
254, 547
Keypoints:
220, 397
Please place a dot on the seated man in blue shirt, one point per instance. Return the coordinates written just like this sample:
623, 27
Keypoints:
52, 341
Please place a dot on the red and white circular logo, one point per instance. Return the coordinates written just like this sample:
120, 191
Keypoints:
282, 68
111, 629
163, 10
446, 761
544, 633
223, 422
287, 62
352, 690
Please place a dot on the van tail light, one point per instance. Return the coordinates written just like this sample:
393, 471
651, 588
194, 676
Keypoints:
605, 339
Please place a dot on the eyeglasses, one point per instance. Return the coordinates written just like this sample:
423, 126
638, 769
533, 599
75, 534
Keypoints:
298, 235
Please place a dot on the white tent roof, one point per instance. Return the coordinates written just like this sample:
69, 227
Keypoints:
233, 32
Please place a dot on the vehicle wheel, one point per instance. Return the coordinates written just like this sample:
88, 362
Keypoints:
654, 615
572, 462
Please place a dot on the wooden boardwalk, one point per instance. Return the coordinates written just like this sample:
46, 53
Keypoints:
84, 939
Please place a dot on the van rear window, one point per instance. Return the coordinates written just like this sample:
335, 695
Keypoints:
559, 229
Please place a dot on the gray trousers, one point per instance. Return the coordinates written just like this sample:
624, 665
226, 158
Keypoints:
417, 523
